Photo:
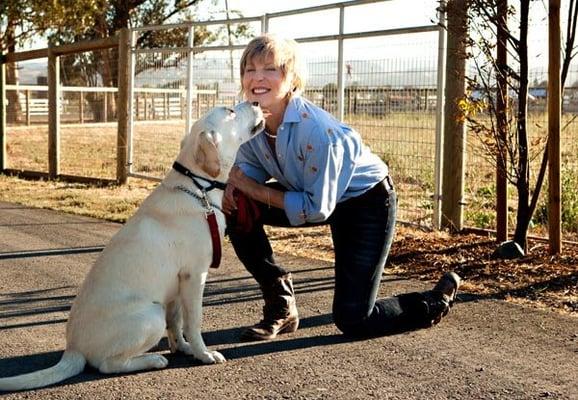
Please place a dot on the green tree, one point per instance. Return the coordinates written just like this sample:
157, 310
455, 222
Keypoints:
69, 21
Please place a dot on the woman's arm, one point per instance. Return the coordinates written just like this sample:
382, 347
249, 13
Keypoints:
254, 190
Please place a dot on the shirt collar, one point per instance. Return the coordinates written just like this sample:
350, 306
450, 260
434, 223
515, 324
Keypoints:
292, 112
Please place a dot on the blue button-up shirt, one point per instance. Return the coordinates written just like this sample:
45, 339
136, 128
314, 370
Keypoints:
320, 161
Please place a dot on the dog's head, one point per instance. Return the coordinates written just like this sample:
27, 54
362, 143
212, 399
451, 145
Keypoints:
211, 145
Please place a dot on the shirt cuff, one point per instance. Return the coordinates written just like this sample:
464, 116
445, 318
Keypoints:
254, 173
293, 202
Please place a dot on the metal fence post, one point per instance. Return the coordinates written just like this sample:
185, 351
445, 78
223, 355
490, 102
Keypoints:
440, 105
340, 67
190, 59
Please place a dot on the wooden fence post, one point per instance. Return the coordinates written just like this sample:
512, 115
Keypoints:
454, 130
105, 107
123, 107
3, 153
27, 107
53, 114
81, 107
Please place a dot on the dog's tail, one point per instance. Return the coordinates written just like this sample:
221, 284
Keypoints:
72, 363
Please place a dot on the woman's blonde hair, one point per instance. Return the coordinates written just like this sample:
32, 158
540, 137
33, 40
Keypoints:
285, 55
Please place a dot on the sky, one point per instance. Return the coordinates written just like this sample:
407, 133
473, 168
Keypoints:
407, 50
382, 15
378, 16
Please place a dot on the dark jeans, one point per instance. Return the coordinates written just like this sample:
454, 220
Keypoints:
362, 229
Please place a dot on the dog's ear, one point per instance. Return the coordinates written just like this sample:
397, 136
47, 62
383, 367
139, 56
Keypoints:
207, 155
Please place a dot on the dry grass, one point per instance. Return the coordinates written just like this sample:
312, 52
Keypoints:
113, 203
405, 140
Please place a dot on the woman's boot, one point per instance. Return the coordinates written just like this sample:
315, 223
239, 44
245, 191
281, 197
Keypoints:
279, 313
439, 300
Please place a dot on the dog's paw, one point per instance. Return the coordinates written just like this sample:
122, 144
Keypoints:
157, 361
219, 358
211, 357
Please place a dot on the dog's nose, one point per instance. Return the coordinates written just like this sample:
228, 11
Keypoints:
256, 103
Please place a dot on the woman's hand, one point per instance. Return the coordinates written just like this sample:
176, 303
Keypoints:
237, 181
241, 181
229, 202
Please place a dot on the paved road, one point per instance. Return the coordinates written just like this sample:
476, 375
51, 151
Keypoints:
485, 349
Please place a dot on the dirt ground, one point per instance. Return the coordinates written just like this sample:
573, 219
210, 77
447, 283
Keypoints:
539, 280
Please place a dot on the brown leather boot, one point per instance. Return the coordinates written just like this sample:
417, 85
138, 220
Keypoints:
279, 313
442, 297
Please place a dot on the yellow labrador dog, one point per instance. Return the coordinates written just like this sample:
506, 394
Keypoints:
150, 277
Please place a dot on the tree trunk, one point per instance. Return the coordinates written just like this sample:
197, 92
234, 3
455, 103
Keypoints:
14, 109
523, 173
502, 122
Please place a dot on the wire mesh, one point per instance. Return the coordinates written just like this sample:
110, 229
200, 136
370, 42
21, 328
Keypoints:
390, 99
88, 113
159, 109
27, 116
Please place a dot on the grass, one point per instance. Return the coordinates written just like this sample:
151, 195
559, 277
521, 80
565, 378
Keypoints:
112, 203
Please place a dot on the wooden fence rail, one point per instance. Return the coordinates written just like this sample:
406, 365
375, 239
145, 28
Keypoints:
54, 103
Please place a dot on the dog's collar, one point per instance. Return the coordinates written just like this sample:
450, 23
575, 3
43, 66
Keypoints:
187, 172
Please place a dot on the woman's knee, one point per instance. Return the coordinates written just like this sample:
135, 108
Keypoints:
350, 319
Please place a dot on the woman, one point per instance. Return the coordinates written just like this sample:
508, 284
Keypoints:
323, 175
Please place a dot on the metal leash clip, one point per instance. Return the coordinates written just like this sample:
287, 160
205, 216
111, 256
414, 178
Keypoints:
207, 204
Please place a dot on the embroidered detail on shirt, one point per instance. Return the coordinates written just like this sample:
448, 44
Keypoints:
300, 158
305, 115
314, 169
309, 147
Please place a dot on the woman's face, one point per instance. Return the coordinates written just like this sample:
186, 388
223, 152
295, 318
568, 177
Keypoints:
265, 83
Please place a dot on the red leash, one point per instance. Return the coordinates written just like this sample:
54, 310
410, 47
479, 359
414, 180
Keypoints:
215, 238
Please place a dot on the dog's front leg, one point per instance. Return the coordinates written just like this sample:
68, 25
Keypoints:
191, 289
174, 318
